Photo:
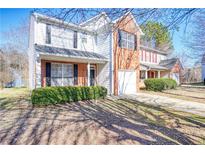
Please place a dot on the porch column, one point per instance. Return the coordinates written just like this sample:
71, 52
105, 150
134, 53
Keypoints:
158, 74
145, 74
38, 71
88, 75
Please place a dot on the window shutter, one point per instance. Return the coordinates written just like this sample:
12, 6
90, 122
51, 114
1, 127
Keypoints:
119, 38
75, 74
48, 74
75, 39
135, 42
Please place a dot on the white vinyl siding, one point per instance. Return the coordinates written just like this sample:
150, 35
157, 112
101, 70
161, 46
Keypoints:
104, 47
63, 38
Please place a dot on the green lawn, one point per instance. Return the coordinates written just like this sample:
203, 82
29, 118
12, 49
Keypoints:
183, 93
10, 97
197, 84
103, 121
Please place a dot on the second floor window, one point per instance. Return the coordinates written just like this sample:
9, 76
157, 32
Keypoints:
48, 34
84, 38
127, 40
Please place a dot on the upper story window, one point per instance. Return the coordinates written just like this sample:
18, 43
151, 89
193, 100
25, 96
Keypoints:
48, 34
150, 57
75, 39
126, 40
84, 38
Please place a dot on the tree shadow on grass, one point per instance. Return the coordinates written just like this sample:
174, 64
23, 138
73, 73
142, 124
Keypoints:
117, 120
121, 118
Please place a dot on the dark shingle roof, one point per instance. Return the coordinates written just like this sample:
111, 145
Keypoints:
154, 66
69, 52
152, 49
169, 63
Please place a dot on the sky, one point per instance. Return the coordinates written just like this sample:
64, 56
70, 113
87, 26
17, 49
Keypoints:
13, 17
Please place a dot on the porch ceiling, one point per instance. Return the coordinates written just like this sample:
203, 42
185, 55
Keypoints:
61, 54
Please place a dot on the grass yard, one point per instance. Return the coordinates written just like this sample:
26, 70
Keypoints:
197, 84
184, 93
13, 97
94, 122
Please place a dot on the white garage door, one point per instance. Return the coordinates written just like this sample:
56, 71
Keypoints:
126, 82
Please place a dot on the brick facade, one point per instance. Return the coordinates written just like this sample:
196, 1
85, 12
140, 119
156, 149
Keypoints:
126, 59
82, 72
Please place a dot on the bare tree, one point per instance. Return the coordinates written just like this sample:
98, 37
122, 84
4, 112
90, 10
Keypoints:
14, 56
6, 71
17, 37
170, 17
196, 41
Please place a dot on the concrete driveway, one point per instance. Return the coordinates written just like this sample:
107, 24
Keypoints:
166, 102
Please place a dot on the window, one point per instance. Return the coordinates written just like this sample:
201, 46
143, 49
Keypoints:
48, 34
155, 58
147, 56
126, 40
142, 74
152, 57
75, 39
61, 74
84, 38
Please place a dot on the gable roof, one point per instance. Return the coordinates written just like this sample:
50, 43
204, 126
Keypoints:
169, 63
152, 49
133, 18
53, 20
95, 18
49, 50
154, 66
82, 26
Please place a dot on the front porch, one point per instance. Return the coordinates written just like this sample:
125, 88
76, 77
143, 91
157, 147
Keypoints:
152, 71
59, 73
63, 67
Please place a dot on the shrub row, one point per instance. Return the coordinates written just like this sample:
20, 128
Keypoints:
160, 84
56, 95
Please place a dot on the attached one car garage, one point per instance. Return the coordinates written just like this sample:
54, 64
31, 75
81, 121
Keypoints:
127, 82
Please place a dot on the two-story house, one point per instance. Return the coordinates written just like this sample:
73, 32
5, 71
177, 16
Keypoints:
96, 52
155, 64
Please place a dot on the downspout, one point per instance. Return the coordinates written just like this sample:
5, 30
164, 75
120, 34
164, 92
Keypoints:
111, 62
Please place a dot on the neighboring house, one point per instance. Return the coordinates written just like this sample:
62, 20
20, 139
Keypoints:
192, 75
203, 68
155, 64
96, 52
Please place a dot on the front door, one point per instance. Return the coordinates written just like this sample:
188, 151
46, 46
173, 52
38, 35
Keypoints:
92, 77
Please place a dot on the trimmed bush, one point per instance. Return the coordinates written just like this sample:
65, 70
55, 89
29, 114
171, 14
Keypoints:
160, 84
56, 95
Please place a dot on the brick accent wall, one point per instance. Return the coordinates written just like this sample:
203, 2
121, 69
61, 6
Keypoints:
124, 58
165, 74
82, 72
